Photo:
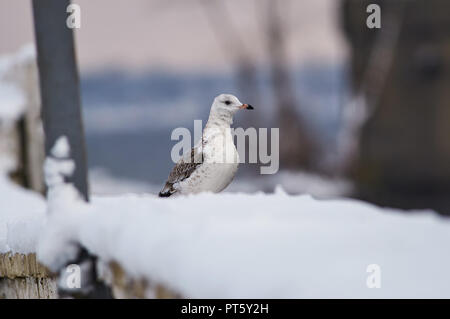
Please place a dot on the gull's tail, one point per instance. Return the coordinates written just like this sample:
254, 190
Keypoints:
167, 190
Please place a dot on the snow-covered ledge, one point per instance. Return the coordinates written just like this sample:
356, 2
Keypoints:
234, 245
220, 246
247, 246
22, 216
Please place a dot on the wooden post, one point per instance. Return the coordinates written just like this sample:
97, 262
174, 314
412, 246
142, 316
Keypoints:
59, 83
61, 109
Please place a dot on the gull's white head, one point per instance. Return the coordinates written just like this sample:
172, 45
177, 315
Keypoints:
228, 104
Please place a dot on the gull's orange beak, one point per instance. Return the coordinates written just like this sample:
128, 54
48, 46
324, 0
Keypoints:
246, 106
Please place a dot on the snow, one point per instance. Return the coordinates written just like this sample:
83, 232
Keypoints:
103, 182
233, 245
252, 246
22, 212
58, 245
61, 148
12, 103
56, 167
268, 246
236, 245
22, 215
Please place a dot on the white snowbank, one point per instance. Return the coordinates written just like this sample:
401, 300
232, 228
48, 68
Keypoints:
233, 245
22, 216
22, 212
268, 246
236, 245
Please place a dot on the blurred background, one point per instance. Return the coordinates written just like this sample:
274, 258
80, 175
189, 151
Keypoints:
362, 112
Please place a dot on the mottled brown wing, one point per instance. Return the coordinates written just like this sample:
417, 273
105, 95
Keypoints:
182, 170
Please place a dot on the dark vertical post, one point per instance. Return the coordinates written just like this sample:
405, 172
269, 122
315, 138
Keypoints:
403, 151
59, 83
61, 112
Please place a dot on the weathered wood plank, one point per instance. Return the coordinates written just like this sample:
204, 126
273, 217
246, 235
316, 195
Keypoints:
21, 265
21, 276
28, 288
126, 287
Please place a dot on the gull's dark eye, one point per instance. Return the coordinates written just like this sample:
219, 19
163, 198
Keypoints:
227, 102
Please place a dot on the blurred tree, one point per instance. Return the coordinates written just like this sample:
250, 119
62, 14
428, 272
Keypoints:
404, 148
369, 84
297, 147
61, 113
234, 46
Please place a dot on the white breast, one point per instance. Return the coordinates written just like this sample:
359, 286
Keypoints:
221, 161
